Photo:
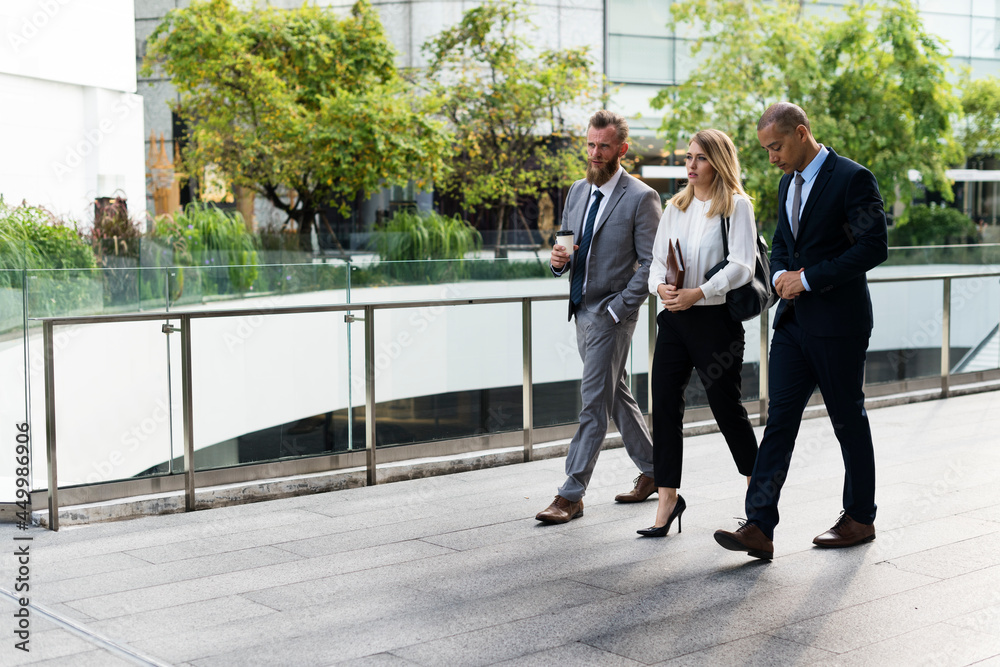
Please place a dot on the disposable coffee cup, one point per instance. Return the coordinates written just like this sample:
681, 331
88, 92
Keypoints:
565, 239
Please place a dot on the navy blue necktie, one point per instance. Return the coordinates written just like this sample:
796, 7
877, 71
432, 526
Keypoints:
576, 286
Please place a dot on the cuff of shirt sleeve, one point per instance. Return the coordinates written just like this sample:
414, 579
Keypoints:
805, 283
774, 276
615, 317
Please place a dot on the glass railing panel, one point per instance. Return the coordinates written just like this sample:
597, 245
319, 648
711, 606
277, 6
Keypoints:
258, 286
931, 258
447, 372
452, 279
13, 374
269, 387
556, 365
115, 418
975, 324
906, 339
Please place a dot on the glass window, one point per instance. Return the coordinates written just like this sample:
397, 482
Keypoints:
647, 59
985, 40
988, 8
963, 7
954, 30
639, 17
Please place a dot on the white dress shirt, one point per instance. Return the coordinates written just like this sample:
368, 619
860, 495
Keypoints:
701, 245
607, 189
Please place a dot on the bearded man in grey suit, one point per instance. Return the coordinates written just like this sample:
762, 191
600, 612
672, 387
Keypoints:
614, 217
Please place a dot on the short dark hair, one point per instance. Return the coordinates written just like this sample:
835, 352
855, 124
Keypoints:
786, 116
605, 118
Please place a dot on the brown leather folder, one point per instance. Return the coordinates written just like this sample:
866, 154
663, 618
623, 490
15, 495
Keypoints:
675, 265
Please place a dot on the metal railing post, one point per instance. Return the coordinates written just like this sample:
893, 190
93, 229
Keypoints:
50, 425
762, 368
946, 338
187, 412
370, 392
527, 395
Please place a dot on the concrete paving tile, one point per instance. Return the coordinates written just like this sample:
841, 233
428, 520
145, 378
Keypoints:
953, 559
761, 650
370, 598
484, 646
50, 644
988, 513
234, 583
69, 589
101, 540
95, 658
283, 536
378, 660
575, 653
179, 620
915, 538
43, 573
985, 620
861, 625
429, 528
939, 644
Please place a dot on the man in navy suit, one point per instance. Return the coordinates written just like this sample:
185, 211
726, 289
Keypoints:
831, 231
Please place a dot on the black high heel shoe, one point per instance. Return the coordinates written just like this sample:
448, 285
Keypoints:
653, 531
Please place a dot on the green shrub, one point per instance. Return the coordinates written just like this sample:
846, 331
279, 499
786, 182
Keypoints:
933, 225
34, 242
222, 254
410, 235
411, 244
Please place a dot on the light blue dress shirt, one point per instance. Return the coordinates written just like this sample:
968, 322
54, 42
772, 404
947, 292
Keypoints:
808, 179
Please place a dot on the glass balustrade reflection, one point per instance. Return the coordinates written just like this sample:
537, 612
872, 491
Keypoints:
118, 414
269, 387
13, 375
446, 372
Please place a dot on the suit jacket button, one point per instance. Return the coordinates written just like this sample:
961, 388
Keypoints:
796, 254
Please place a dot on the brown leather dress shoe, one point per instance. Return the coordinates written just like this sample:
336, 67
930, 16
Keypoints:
748, 537
561, 511
644, 488
846, 533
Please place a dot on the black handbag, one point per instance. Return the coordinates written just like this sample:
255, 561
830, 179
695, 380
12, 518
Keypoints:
748, 301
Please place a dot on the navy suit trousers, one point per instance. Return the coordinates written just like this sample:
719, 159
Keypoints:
798, 364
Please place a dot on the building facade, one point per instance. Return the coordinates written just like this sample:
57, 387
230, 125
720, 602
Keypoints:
70, 121
629, 42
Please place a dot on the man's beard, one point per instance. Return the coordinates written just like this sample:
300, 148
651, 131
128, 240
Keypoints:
600, 175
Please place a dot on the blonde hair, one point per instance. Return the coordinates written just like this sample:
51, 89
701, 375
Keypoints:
721, 154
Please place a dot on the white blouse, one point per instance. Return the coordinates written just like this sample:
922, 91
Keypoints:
701, 244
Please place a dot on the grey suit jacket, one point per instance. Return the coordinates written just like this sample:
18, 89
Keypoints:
622, 246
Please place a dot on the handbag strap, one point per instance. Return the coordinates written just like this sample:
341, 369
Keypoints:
725, 237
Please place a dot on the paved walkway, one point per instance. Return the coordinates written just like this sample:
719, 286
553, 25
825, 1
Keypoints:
454, 570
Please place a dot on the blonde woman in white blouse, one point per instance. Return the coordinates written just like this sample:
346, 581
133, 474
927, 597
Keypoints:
695, 331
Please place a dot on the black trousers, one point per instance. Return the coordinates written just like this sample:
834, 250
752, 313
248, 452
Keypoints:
800, 362
705, 338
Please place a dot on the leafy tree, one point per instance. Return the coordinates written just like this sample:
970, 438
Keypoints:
981, 104
873, 83
302, 106
510, 107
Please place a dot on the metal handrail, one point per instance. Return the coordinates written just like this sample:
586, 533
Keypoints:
185, 318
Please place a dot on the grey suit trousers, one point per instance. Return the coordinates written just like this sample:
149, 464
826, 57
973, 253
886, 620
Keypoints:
604, 346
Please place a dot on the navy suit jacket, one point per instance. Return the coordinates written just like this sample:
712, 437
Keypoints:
842, 234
